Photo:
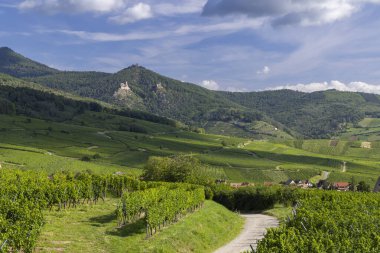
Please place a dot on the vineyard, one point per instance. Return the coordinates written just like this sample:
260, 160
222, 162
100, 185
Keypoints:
328, 222
26, 194
160, 206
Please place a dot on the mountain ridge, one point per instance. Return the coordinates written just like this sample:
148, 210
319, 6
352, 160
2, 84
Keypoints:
286, 113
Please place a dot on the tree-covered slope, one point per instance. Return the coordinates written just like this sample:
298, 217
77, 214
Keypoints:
17, 65
268, 114
19, 97
139, 88
317, 114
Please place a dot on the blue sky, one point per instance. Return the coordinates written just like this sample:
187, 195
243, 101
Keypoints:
237, 45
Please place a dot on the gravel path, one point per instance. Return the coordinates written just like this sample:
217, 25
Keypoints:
254, 230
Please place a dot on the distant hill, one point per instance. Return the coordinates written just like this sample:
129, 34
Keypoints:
314, 115
14, 64
139, 88
19, 97
269, 114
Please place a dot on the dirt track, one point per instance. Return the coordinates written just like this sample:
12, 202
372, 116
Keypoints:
254, 230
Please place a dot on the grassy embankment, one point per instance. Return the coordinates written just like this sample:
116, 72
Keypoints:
94, 229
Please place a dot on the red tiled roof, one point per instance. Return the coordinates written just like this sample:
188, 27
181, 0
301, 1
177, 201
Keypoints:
341, 184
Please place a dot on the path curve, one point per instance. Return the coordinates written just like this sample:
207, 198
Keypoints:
254, 229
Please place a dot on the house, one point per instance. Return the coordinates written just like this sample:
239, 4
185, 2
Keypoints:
377, 186
239, 185
341, 186
290, 182
220, 181
323, 184
303, 184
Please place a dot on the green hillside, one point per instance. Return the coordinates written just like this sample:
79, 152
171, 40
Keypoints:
51, 129
282, 114
14, 64
314, 115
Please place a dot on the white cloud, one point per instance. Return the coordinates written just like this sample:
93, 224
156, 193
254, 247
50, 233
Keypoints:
224, 27
54, 6
304, 12
185, 7
127, 13
135, 13
210, 84
110, 37
235, 89
336, 85
265, 71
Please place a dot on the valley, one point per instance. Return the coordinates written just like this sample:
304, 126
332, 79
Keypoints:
137, 159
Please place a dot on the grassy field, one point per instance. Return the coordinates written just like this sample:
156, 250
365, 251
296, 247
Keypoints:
366, 130
93, 228
257, 130
51, 146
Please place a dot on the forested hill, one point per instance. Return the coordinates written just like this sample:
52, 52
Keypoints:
14, 64
317, 114
18, 97
138, 88
269, 114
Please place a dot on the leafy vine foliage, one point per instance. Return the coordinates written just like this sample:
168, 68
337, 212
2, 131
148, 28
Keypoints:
328, 222
25, 194
160, 206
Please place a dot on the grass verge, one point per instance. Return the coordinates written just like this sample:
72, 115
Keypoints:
280, 212
93, 228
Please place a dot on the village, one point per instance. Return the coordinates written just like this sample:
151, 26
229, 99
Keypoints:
322, 184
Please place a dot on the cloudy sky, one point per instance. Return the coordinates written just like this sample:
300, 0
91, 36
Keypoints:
237, 45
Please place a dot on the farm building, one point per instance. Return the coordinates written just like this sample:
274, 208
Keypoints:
289, 182
303, 183
220, 181
377, 186
341, 186
239, 185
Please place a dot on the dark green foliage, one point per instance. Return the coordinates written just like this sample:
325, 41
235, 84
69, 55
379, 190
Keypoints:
363, 187
85, 158
96, 156
246, 198
7, 107
181, 168
17, 65
328, 221
231, 114
133, 128
20, 97
146, 116
314, 115
40, 104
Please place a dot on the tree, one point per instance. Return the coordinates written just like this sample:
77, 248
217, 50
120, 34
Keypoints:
353, 184
181, 168
363, 187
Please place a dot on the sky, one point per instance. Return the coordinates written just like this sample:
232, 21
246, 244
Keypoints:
234, 45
